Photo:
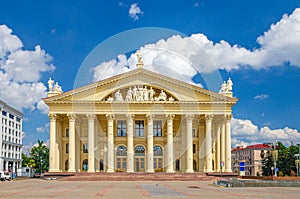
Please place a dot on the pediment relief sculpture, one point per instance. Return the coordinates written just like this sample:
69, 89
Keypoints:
140, 93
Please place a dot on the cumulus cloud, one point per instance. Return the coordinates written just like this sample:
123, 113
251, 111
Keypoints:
244, 132
20, 72
261, 96
196, 53
135, 11
42, 129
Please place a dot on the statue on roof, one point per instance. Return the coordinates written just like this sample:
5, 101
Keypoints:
50, 84
226, 88
140, 63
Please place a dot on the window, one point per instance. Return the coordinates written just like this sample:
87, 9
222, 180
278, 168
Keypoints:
194, 148
157, 128
121, 151
194, 133
85, 148
157, 151
11, 116
139, 151
121, 128
4, 113
139, 128
85, 165
67, 148
67, 132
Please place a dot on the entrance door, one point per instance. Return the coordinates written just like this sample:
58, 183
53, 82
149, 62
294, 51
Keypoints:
139, 159
121, 164
139, 164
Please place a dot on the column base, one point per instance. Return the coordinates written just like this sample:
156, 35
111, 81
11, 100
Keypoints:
110, 171
150, 171
72, 170
130, 171
170, 171
208, 170
189, 171
91, 171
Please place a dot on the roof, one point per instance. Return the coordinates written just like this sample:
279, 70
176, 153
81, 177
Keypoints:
253, 147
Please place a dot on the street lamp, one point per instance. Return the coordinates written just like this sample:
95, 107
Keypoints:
274, 150
298, 161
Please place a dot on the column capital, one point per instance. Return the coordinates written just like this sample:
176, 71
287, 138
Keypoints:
110, 117
202, 122
170, 116
208, 117
52, 116
71, 117
130, 116
91, 116
227, 117
189, 117
150, 117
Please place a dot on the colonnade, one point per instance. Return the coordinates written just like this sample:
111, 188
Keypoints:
214, 134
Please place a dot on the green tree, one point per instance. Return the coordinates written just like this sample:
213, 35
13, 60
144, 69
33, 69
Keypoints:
40, 155
285, 160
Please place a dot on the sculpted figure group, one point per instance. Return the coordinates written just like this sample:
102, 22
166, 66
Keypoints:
140, 93
54, 88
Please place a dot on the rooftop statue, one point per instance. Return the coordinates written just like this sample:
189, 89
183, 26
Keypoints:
226, 88
140, 63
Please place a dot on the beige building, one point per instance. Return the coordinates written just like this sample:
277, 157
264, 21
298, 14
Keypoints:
140, 121
252, 156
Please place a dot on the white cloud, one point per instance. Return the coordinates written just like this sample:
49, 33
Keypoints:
261, 96
245, 132
42, 129
44, 108
135, 11
197, 53
20, 72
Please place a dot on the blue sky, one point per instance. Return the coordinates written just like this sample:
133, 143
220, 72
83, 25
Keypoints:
256, 43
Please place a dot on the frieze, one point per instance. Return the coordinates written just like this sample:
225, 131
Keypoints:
140, 93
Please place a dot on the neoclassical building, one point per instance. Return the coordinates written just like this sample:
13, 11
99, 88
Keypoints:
140, 121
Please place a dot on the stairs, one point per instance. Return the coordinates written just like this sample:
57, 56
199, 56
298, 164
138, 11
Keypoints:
120, 176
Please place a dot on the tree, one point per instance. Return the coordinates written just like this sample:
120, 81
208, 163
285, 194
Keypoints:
285, 162
40, 155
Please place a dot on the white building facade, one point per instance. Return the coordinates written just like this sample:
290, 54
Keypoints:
10, 138
140, 121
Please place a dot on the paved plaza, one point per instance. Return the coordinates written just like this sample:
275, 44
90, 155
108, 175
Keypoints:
38, 188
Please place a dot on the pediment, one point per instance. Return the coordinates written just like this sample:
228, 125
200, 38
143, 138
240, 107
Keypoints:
140, 86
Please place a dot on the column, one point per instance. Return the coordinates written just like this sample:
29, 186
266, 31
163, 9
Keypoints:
208, 148
58, 149
218, 150
91, 142
77, 145
201, 145
150, 143
130, 152
222, 144
189, 143
227, 144
52, 151
170, 167
110, 144
72, 139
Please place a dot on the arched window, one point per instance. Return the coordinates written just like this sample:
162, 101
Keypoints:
139, 151
85, 165
157, 151
121, 151
121, 154
67, 165
158, 159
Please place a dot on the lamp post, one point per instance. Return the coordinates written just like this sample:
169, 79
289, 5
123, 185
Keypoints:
297, 162
274, 151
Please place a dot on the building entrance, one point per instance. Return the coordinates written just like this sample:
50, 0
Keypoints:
139, 159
